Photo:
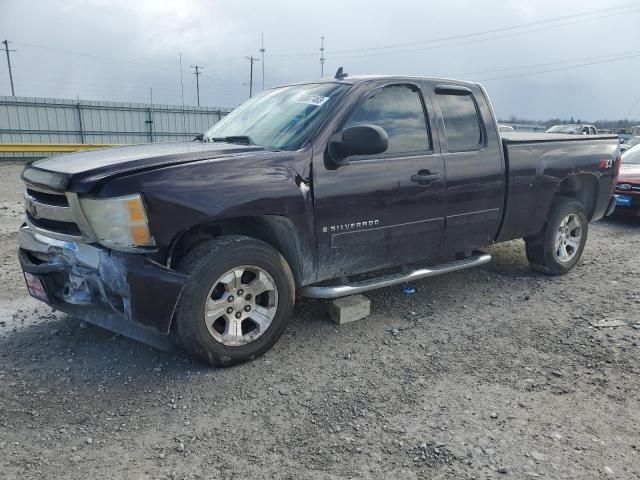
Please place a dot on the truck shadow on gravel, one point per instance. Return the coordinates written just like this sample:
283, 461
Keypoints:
58, 344
60, 347
628, 223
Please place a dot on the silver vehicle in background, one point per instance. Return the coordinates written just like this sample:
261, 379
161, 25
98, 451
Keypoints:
574, 129
631, 142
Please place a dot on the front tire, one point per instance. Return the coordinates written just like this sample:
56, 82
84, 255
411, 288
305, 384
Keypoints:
558, 247
237, 301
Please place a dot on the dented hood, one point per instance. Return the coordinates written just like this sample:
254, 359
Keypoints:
79, 171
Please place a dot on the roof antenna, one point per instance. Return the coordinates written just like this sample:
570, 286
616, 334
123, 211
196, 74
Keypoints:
340, 74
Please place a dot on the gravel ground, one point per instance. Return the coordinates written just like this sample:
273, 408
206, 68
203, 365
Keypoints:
495, 372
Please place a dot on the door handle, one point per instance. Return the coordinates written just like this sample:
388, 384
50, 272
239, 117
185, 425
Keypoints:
425, 177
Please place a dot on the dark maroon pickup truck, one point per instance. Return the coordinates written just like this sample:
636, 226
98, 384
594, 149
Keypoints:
298, 191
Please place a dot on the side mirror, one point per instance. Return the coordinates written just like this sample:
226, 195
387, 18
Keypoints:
358, 140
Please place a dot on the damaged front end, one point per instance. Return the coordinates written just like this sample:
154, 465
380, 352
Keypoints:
126, 293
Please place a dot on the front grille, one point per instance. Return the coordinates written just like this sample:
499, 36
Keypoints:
50, 213
65, 228
58, 199
627, 187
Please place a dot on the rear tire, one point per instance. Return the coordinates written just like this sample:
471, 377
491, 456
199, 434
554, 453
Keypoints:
237, 301
558, 247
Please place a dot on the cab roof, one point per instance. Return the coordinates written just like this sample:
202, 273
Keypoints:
356, 79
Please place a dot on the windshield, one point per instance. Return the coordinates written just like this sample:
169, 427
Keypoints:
632, 142
632, 156
281, 118
564, 129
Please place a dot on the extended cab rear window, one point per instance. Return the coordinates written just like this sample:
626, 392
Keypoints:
461, 121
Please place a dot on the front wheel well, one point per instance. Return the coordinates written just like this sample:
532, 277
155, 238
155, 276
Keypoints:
275, 230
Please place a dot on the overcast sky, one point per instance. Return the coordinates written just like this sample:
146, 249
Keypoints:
133, 45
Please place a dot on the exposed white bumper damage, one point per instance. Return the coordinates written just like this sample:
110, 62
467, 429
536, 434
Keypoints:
124, 292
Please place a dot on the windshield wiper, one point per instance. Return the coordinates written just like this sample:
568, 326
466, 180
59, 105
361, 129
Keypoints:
241, 139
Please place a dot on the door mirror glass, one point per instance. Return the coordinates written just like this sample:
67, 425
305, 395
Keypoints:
363, 139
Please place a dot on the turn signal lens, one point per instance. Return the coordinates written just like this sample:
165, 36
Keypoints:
136, 211
140, 234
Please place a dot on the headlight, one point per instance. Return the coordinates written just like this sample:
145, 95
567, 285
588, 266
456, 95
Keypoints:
118, 222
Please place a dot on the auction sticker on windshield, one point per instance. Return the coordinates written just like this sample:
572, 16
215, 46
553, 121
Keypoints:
317, 100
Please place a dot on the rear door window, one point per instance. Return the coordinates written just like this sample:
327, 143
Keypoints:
461, 121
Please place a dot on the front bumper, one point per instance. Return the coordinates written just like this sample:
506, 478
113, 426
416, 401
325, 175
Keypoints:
126, 293
611, 207
632, 210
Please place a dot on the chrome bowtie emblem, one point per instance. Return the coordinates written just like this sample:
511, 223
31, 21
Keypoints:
624, 186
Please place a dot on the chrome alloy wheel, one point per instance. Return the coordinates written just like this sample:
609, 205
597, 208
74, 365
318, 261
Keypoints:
241, 305
568, 236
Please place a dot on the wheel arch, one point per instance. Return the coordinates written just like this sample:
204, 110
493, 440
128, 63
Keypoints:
583, 188
276, 230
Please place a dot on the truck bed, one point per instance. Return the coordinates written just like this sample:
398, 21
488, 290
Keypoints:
529, 137
537, 163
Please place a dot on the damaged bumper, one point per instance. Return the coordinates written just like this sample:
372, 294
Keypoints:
612, 205
126, 293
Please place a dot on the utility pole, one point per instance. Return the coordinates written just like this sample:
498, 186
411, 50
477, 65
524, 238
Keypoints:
251, 60
322, 59
150, 111
184, 128
6, 49
262, 50
197, 74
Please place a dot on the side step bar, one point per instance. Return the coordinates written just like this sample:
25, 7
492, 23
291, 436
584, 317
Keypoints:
335, 291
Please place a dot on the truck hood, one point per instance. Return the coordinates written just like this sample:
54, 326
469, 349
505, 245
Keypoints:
630, 173
64, 172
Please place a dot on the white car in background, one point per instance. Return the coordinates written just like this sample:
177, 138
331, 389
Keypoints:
574, 129
632, 142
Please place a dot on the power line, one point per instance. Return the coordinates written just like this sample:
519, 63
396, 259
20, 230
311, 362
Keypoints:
561, 68
633, 107
480, 33
121, 60
6, 49
91, 55
478, 40
537, 65
376, 51
373, 50
197, 74
496, 30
